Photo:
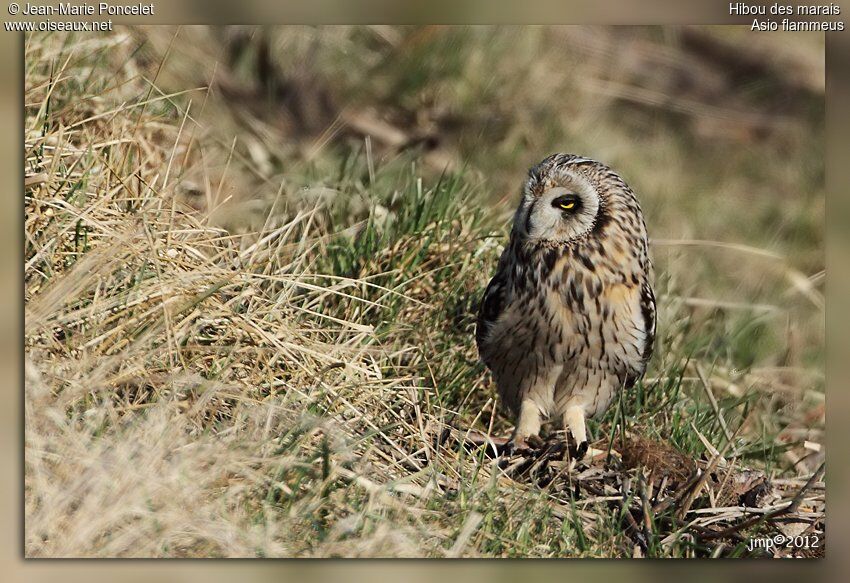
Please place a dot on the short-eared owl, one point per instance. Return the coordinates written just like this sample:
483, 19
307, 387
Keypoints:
569, 318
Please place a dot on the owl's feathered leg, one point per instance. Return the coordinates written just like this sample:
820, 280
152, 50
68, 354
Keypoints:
574, 420
527, 430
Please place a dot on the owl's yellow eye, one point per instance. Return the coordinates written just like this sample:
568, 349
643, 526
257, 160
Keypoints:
566, 202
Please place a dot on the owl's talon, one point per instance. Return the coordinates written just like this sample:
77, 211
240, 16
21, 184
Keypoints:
522, 445
534, 442
516, 445
581, 450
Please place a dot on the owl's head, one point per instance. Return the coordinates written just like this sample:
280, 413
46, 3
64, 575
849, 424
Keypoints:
561, 200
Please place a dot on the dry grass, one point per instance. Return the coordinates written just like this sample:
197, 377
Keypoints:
247, 333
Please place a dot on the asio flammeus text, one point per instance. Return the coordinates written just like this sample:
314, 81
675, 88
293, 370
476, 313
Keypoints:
569, 318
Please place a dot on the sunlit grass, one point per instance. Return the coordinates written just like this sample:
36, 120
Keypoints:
260, 367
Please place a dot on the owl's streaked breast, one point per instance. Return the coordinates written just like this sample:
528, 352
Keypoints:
588, 321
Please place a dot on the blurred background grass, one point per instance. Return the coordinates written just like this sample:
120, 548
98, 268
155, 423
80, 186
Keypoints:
376, 168
720, 131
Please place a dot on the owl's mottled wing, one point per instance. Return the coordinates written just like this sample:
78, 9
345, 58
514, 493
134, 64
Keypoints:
647, 307
493, 302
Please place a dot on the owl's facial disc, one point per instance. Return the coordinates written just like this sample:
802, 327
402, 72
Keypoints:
562, 212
